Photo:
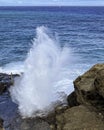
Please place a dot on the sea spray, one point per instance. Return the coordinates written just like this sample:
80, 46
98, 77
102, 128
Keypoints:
45, 80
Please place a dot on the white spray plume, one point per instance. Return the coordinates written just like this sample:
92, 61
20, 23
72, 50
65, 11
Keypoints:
44, 78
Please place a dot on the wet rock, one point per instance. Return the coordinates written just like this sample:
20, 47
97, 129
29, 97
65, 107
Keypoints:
60, 109
2, 87
29, 124
72, 100
6, 81
89, 87
85, 110
51, 117
1, 124
79, 118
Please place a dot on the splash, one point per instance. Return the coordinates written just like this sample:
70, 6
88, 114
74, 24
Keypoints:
13, 67
45, 80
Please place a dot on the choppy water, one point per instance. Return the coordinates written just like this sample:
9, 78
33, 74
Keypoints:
79, 28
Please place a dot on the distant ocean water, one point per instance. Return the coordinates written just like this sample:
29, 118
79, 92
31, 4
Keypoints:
80, 28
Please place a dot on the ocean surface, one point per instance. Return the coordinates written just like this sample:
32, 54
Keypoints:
79, 28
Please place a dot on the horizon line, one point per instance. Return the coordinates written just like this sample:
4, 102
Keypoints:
51, 5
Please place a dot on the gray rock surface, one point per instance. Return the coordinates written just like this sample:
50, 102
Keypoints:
29, 124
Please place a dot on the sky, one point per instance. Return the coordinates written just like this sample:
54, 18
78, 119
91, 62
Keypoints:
51, 2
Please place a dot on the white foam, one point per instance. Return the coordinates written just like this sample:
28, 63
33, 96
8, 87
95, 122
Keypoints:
14, 68
48, 73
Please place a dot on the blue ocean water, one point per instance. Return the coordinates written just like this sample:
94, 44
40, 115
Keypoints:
80, 28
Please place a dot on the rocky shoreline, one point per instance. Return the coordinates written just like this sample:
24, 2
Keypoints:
85, 109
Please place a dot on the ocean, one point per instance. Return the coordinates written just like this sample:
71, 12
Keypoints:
79, 29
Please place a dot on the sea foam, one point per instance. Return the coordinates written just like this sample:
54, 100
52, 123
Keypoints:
13, 67
46, 77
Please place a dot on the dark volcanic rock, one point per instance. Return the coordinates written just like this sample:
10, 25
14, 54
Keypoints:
1, 124
6, 81
3, 87
8, 109
72, 100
